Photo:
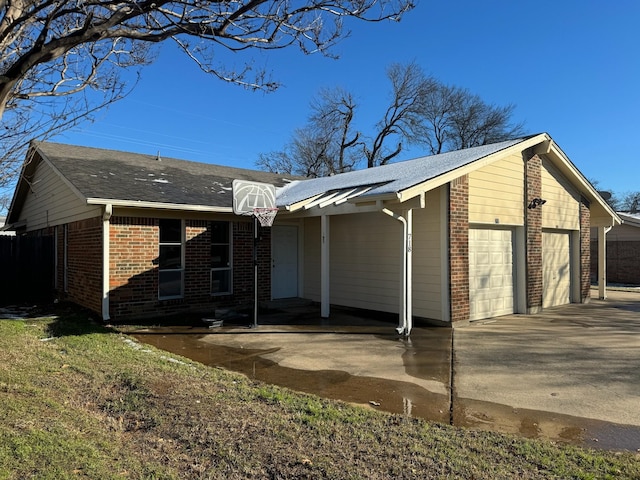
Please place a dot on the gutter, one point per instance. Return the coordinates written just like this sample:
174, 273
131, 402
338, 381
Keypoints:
168, 206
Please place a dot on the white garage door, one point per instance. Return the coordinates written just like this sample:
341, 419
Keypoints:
491, 273
556, 268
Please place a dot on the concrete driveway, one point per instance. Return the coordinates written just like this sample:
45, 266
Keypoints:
571, 374
571, 371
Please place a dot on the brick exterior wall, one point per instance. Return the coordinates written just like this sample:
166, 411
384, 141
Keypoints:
459, 249
84, 263
133, 258
134, 268
585, 251
533, 228
623, 262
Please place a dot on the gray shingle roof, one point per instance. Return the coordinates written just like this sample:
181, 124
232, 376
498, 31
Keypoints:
391, 178
131, 177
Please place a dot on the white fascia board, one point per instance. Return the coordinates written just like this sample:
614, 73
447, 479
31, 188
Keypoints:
325, 199
445, 178
302, 203
159, 206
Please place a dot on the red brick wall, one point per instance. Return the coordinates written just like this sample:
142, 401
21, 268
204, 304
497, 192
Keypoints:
243, 270
533, 228
459, 248
134, 275
84, 263
133, 279
585, 251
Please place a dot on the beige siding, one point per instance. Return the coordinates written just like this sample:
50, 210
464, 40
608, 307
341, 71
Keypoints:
427, 264
311, 279
366, 261
562, 209
623, 233
366, 258
496, 192
51, 202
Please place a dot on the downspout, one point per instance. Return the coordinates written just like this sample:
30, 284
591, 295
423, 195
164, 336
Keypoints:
406, 309
106, 217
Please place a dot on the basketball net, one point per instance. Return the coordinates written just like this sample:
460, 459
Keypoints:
265, 215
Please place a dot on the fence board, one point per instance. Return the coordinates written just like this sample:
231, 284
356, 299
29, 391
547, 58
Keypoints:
26, 269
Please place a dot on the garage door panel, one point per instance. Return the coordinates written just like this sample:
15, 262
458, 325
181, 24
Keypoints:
490, 273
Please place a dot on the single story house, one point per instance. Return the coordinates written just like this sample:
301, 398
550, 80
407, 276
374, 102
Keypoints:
465, 235
622, 251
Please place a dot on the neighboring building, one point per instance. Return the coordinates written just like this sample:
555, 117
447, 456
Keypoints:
623, 251
2, 231
460, 236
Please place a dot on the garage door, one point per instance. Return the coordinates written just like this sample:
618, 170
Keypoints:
491, 273
556, 268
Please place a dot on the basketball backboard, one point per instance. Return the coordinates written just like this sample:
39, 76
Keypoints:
247, 196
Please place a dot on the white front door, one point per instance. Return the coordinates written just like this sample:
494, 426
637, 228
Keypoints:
491, 273
284, 261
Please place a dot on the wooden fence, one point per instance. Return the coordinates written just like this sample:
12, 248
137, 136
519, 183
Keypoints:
27, 267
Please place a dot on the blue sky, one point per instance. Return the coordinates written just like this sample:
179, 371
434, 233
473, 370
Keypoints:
572, 68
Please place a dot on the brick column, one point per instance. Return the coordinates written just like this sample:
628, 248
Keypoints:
533, 168
585, 251
459, 249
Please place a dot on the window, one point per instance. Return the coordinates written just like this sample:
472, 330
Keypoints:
220, 258
170, 263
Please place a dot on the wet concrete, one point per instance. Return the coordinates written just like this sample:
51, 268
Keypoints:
369, 365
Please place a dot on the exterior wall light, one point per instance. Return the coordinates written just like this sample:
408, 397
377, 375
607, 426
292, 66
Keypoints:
536, 202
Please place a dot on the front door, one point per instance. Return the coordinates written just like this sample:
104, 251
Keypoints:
284, 261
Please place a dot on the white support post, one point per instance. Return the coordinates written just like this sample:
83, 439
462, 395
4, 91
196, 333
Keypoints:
325, 279
409, 275
106, 217
602, 262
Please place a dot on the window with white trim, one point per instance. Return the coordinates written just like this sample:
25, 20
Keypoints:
221, 261
171, 259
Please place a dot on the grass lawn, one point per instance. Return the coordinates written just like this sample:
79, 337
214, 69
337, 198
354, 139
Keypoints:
78, 400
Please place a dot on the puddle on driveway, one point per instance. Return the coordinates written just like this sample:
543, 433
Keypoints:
426, 359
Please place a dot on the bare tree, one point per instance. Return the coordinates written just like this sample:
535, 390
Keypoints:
472, 122
421, 111
630, 202
52, 50
325, 146
332, 120
403, 120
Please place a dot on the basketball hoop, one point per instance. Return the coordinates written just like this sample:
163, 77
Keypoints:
265, 215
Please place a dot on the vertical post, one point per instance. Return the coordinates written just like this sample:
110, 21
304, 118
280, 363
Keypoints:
106, 217
255, 272
602, 262
325, 297
409, 277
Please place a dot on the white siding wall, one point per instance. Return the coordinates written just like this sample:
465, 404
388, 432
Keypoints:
51, 202
311, 277
562, 210
427, 264
496, 192
365, 261
366, 258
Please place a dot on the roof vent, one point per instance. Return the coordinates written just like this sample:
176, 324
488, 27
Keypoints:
158, 157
